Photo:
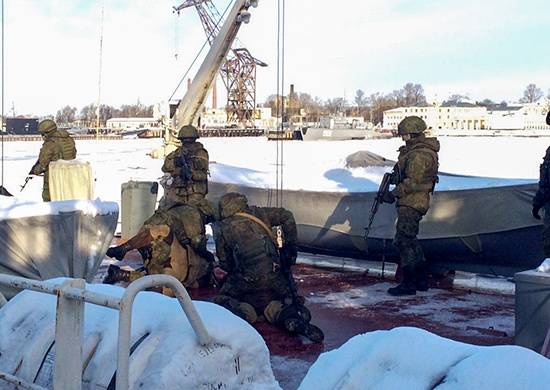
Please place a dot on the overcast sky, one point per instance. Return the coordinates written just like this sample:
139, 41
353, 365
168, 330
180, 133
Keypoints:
485, 49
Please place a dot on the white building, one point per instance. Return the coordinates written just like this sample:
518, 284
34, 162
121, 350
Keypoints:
463, 116
132, 123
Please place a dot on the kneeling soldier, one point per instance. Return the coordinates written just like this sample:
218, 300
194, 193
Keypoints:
172, 241
259, 281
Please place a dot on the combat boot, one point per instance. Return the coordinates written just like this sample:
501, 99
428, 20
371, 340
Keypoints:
422, 283
407, 286
118, 252
116, 274
299, 326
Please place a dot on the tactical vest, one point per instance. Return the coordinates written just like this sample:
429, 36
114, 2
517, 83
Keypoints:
196, 158
430, 180
253, 250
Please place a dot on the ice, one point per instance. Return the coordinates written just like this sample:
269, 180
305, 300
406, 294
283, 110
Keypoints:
412, 358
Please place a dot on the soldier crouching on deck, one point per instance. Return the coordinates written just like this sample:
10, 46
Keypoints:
259, 280
173, 242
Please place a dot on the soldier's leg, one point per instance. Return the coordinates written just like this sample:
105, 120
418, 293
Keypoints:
294, 318
408, 220
46, 188
242, 309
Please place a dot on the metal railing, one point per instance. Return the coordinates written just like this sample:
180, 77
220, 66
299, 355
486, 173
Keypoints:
71, 296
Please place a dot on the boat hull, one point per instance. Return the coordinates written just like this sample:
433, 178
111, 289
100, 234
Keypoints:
485, 230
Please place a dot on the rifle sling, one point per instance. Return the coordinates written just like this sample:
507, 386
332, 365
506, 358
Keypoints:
261, 223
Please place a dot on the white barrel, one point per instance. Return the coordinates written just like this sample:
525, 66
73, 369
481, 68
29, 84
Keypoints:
138, 202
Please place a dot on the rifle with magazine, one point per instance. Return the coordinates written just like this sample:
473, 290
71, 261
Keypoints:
383, 195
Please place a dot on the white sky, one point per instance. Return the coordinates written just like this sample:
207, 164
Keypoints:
490, 49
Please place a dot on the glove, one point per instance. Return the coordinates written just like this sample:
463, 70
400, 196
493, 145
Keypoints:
536, 209
388, 197
118, 252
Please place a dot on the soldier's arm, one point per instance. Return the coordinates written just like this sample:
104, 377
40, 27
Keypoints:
279, 216
201, 162
44, 158
169, 165
419, 174
223, 252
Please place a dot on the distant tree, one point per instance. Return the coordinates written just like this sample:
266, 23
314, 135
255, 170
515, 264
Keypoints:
378, 103
65, 115
335, 105
486, 103
88, 114
531, 94
413, 94
275, 103
456, 98
360, 99
503, 104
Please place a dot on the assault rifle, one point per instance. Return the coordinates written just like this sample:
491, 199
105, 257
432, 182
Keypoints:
25, 183
182, 163
389, 178
286, 266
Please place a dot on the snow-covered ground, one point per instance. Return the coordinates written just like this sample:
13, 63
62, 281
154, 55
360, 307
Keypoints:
413, 359
167, 357
314, 166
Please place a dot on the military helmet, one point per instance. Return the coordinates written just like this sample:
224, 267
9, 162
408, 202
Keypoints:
188, 131
232, 203
46, 126
411, 125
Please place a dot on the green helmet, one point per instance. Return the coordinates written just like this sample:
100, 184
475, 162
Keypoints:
188, 131
411, 125
46, 126
232, 203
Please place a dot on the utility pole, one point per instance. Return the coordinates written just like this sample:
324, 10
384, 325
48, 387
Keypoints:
100, 66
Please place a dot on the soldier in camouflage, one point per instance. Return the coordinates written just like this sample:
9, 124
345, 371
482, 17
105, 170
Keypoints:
259, 282
187, 167
414, 176
58, 145
542, 198
172, 241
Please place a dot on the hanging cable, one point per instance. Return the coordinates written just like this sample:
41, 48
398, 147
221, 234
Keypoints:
100, 68
3, 86
201, 49
280, 103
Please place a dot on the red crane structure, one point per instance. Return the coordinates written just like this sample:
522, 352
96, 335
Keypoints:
238, 71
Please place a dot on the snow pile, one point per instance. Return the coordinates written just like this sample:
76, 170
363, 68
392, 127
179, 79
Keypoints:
412, 358
166, 355
12, 207
544, 266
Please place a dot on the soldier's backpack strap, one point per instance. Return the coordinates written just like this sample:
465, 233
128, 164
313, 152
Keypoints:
261, 223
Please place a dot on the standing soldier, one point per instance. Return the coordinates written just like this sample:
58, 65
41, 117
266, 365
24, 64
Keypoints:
414, 176
173, 242
58, 145
257, 261
188, 169
542, 198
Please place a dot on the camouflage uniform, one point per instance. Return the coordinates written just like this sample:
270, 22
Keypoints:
256, 283
173, 241
415, 177
57, 145
542, 200
188, 167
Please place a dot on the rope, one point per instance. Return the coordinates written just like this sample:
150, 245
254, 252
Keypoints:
200, 51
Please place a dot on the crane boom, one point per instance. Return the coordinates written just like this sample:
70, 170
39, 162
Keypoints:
189, 107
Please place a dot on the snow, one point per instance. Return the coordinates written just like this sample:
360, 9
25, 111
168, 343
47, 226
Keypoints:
412, 358
544, 266
12, 207
168, 358
312, 166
